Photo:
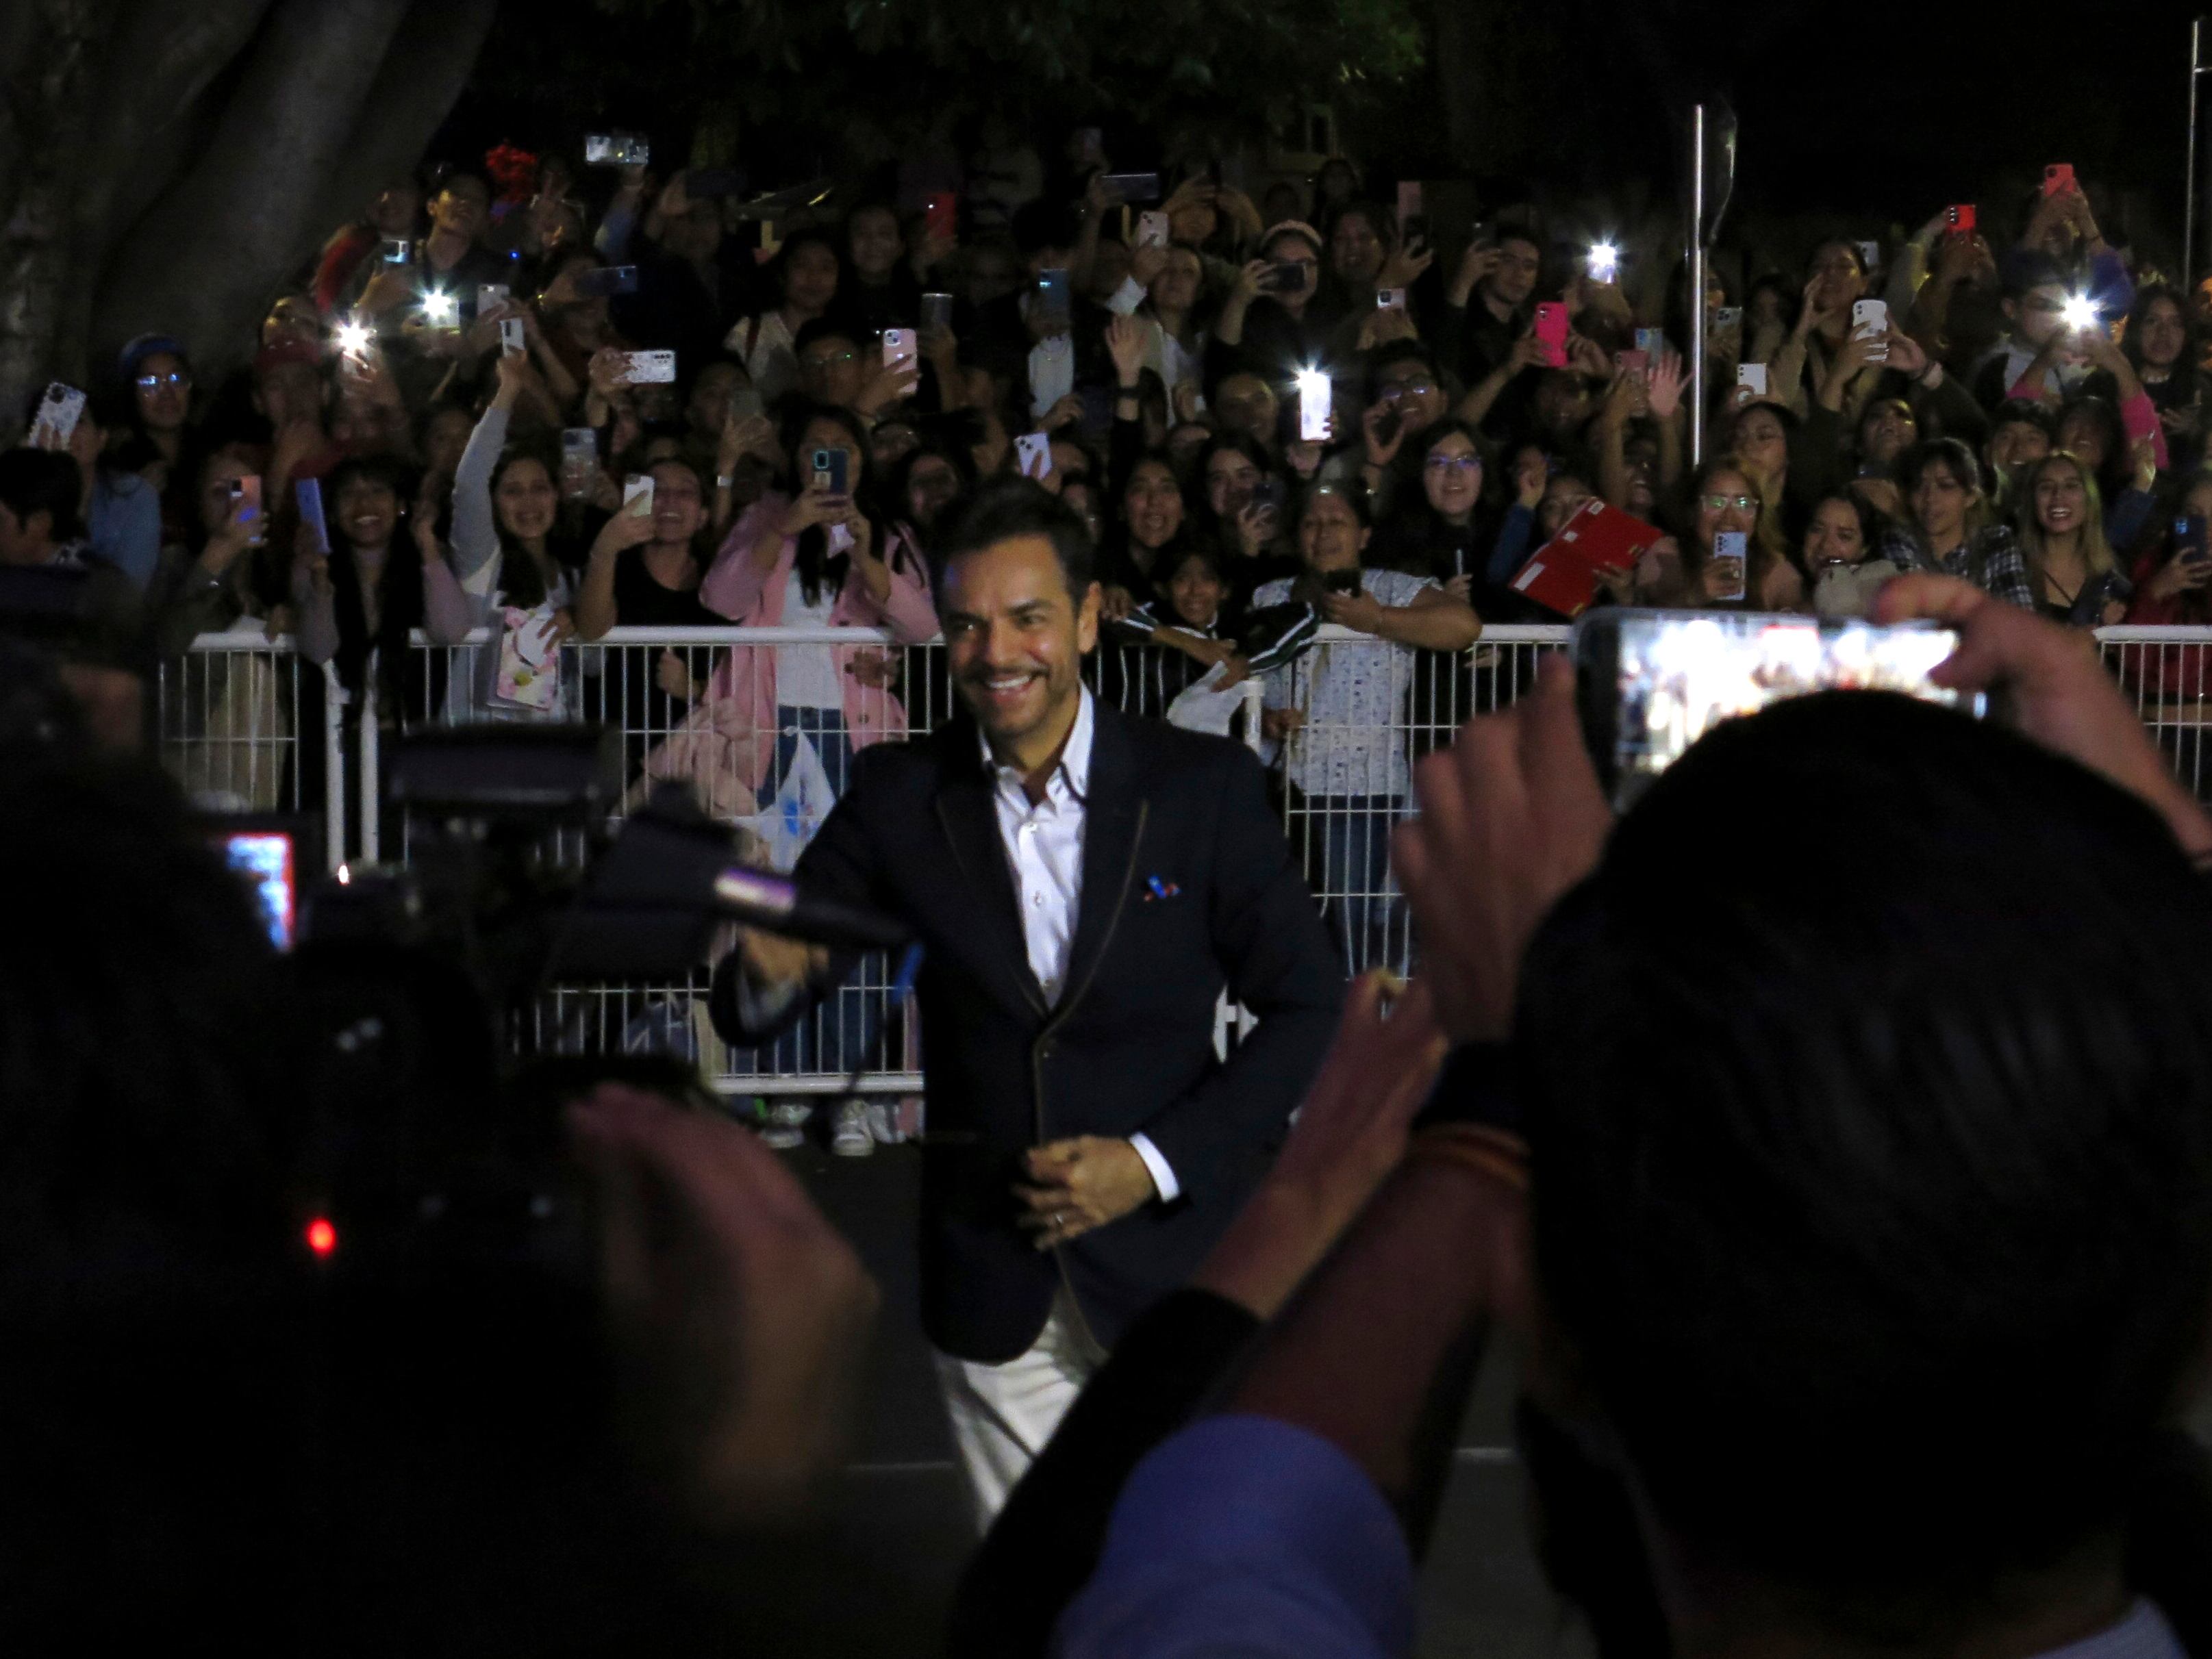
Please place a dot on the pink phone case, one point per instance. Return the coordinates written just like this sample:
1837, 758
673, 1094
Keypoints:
1551, 330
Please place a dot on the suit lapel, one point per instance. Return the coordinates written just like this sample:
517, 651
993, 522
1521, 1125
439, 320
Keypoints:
971, 821
1115, 811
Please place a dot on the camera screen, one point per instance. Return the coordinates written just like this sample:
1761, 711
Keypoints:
1681, 675
264, 859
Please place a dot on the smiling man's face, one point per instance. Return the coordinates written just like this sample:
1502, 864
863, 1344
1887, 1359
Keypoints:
1016, 638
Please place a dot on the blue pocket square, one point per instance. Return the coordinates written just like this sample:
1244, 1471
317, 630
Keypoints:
1156, 888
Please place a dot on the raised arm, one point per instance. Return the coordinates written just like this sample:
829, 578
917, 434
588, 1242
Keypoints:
476, 531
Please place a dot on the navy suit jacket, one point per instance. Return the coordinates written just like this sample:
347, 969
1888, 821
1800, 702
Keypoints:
1188, 887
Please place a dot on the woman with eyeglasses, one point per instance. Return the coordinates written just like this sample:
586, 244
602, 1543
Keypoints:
1955, 534
1725, 500
156, 423
1441, 534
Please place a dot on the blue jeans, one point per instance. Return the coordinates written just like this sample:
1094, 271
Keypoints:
1345, 843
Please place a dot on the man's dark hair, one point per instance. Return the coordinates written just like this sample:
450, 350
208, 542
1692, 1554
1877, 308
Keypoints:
1949, 452
2018, 411
1020, 506
1390, 355
1872, 1196
43, 481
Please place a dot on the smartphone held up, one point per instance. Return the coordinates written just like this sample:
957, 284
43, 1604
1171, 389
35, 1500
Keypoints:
1649, 683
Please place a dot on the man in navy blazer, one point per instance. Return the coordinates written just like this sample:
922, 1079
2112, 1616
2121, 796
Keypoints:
1084, 885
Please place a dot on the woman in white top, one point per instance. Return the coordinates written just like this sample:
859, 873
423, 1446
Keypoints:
1341, 712
505, 537
807, 266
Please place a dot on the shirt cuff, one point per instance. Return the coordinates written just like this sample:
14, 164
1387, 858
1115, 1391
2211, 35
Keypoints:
1162, 1172
1126, 298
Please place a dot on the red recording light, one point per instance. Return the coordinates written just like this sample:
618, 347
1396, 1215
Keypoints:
322, 1237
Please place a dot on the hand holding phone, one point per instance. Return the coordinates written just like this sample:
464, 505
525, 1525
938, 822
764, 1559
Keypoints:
55, 423
2059, 178
1033, 455
1870, 322
649, 368
830, 472
1052, 299
1551, 329
1725, 580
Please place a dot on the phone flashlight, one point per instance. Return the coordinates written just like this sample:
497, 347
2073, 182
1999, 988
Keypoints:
1314, 399
353, 338
1604, 261
2080, 314
441, 307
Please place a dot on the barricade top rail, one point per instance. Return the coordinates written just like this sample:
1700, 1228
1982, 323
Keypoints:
732, 633
242, 639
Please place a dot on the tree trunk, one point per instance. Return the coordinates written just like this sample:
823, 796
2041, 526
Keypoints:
199, 262
49, 50
166, 166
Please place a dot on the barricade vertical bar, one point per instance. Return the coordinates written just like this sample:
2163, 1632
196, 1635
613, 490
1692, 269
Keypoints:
334, 770
366, 754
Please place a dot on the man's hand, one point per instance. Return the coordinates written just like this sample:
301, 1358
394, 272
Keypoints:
1511, 817
772, 959
740, 1318
2058, 693
1079, 1184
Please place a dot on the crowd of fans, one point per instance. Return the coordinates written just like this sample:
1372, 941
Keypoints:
458, 369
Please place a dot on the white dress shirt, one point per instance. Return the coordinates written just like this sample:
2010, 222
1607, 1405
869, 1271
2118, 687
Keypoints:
1044, 851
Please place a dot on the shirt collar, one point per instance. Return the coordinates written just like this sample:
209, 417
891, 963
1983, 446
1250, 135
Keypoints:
1074, 768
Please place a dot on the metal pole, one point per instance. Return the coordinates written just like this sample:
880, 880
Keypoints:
1697, 285
2189, 203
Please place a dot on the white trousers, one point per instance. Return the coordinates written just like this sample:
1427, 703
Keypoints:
1002, 1415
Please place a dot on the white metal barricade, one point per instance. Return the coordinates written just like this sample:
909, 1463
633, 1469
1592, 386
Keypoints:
758, 724
2167, 672
1362, 710
745, 718
245, 726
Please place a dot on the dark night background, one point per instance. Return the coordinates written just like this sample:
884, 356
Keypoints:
1870, 115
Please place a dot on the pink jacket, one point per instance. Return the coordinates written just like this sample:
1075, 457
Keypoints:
740, 699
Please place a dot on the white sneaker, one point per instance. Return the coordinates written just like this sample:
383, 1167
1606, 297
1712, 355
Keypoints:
786, 1125
850, 1138
883, 1122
